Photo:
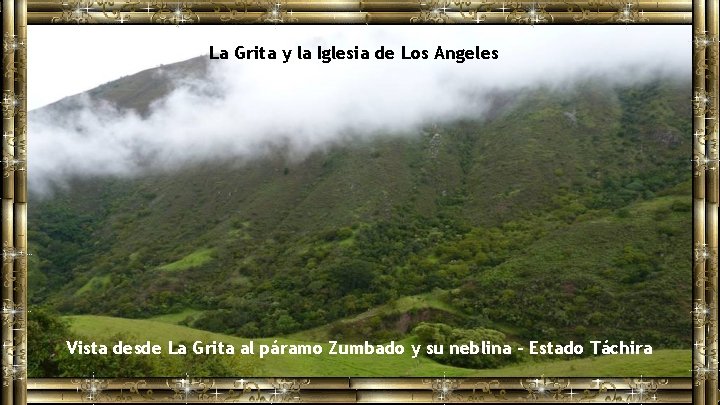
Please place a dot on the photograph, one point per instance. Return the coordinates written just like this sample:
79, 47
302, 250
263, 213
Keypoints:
360, 201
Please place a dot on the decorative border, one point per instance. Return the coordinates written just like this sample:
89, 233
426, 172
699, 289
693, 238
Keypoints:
360, 12
14, 203
347, 390
701, 389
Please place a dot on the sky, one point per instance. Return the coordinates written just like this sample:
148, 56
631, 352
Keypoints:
244, 106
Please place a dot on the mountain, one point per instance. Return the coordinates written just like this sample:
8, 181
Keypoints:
554, 214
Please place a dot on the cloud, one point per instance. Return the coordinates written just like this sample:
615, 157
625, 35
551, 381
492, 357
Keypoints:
243, 108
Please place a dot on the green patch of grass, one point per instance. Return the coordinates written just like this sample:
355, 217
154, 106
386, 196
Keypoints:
239, 234
194, 259
428, 300
95, 283
239, 230
432, 259
177, 317
645, 208
664, 363
347, 243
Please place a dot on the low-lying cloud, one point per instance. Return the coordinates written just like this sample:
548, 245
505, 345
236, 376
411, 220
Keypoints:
241, 108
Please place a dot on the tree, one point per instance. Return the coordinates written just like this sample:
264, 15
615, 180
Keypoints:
445, 335
354, 275
47, 332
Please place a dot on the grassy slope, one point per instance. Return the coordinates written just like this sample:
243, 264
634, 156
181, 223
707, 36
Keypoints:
661, 363
431, 300
194, 259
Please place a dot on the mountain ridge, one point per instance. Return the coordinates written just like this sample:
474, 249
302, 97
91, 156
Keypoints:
467, 205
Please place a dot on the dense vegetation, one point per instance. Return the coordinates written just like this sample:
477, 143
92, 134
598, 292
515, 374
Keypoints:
559, 215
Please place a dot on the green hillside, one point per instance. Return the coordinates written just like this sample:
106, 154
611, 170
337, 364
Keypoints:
555, 215
106, 329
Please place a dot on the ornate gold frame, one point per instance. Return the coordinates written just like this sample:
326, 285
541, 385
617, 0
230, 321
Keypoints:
701, 389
